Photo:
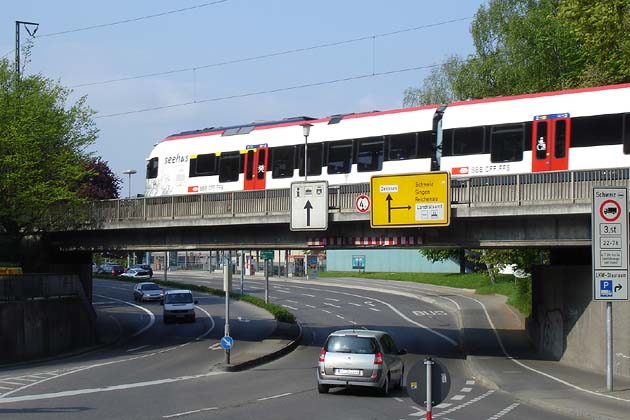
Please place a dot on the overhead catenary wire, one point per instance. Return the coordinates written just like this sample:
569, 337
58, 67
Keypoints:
265, 92
121, 22
275, 54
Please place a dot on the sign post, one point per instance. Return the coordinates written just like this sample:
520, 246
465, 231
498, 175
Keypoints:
610, 256
411, 200
428, 384
267, 255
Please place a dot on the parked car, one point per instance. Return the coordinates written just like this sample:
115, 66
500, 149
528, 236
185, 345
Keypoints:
111, 268
145, 267
147, 291
136, 273
360, 358
178, 304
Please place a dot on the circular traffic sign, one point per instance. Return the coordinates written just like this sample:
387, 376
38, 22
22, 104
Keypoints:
227, 342
610, 210
362, 203
416, 382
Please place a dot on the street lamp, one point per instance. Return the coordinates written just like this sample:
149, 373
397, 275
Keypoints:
129, 172
306, 127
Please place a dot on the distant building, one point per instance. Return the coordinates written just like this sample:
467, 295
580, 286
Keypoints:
386, 260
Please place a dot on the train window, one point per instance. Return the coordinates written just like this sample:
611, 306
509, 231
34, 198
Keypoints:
340, 157
541, 140
249, 169
283, 162
315, 158
229, 166
260, 170
626, 134
506, 143
425, 144
468, 141
596, 131
203, 165
403, 146
370, 154
560, 147
152, 168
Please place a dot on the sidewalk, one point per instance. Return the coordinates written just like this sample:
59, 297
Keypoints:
548, 384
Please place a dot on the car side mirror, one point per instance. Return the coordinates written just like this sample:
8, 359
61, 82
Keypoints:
402, 352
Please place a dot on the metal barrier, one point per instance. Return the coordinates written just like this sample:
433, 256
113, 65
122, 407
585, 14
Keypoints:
562, 187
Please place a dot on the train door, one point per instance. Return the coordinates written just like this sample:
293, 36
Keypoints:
550, 143
256, 168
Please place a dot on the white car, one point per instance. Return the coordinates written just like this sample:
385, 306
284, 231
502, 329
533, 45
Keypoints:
136, 273
178, 304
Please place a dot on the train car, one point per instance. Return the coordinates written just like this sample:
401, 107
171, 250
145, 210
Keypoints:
342, 149
553, 131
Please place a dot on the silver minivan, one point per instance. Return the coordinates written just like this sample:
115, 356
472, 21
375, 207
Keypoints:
178, 304
360, 358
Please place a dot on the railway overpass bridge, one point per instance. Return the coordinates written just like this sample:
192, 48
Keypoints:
546, 210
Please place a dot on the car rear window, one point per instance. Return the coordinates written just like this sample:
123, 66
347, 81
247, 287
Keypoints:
351, 344
178, 298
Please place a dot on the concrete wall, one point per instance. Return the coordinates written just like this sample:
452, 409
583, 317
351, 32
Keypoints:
38, 328
387, 260
567, 325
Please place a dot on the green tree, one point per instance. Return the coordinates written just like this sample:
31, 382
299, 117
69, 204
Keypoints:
43, 145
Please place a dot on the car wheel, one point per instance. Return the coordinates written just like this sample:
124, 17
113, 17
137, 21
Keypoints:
322, 389
385, 388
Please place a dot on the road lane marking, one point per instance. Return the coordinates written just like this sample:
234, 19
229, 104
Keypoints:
275, 396
151, 315
375, 310
291, 301
465, 390
332, 304
332, 300
283, 291
12, 383
4, 387
310, 306
137, 348
340, 317
215, 346
503, 412
190, 412
470, 382
443, 405
306, 294
290, 307
52, 395
354, 304
418, 412
211, 321
327, 311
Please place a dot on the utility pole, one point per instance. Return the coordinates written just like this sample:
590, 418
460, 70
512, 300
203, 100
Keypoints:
17, 41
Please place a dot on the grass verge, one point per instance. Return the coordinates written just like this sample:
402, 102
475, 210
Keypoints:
517, 290
280, 313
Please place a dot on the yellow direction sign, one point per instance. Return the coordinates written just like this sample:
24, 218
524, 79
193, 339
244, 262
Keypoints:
422, 199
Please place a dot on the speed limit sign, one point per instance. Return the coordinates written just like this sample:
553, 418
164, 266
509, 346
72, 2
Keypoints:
363, 203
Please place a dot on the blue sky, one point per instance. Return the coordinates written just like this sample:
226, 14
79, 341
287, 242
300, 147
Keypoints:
227, 31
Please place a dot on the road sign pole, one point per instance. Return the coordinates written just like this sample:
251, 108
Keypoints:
226, 283
609, 347
242, 269
428, 363
266, 281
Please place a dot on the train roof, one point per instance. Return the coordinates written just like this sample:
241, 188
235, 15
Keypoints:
247, 128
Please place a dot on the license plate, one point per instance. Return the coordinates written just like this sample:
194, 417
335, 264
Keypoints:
348, 372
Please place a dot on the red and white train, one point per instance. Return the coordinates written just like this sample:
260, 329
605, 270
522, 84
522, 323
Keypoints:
553, 131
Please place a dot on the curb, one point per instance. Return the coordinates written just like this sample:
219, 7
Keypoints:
248, 364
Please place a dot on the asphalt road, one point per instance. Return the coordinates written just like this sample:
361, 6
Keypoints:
169, 371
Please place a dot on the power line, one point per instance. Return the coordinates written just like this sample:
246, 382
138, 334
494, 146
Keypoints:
275, 54
120, 22
264, 92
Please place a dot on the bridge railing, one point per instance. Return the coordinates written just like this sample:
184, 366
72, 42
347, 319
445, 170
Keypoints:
563, 187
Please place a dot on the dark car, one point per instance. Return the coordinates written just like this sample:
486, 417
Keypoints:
113, 269
145, 267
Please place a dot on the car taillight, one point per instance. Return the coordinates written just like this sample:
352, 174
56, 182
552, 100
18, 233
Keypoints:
378, 358
322, 355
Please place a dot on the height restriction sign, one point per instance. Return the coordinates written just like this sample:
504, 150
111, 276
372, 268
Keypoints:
610, 243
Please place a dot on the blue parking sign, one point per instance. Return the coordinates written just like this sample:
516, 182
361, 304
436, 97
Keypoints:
606, 288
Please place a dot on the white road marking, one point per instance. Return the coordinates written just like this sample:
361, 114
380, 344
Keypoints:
305, 294
137, 348
12, 383
458, 397
211, 321
23, 378
340, 317
35, 376
470, 382
332, 300
215, 346
375, 310
353, 323
190, 412
465, 390
283, 291
241, 319
503, 412
332, 304
327, 311
52, 395
275, 396
4, 387
418, 412
531, 369
290, 307
148, 312
291, 301
354, 304
310, 306
443, 405
428, 300
464, 405
399, 399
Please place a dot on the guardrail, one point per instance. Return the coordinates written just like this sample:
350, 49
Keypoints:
566, 187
